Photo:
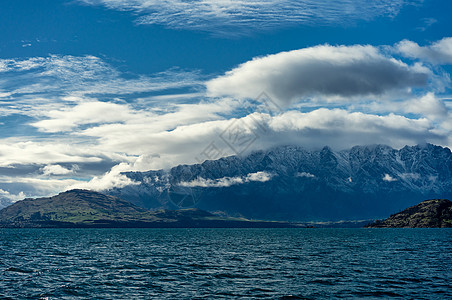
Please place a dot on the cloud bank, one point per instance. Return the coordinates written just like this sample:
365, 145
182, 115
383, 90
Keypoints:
344, 71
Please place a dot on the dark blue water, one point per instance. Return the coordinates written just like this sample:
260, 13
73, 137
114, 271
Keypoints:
225, 263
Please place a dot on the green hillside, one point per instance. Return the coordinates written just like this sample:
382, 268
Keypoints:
82, 208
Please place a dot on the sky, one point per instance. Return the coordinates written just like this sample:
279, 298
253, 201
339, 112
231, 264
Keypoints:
93, 88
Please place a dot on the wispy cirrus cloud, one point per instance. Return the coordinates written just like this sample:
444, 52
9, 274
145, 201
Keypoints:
40, 84
232, 17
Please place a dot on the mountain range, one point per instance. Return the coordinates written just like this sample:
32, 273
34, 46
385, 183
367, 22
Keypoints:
291, 183
90, 209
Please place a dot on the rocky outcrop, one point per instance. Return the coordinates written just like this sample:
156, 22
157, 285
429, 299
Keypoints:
427, 214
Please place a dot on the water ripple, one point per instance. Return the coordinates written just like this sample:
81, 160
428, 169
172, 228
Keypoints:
225, 263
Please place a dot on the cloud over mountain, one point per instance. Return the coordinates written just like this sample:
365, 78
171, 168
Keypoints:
82, 111
228, 181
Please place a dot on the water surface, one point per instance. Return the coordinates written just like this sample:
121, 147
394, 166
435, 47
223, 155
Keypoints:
225, 263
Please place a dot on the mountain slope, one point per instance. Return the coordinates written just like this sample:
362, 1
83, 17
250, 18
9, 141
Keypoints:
72, 206
82, 208
427, 214
292, 183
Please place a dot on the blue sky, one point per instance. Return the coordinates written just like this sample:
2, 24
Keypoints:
66, 27
92, 88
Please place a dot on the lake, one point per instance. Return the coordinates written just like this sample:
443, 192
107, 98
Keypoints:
225, 263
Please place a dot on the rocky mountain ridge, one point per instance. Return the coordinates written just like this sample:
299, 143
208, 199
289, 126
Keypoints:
292, 183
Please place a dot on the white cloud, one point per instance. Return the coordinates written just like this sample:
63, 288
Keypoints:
232, 17
427, 23
38, 85
228, 181
83, 114
87, 113
5, 95
305, 174
86, 67
11, 197
34, 186
70, 150
143, 146
343, 129
388, 178
14, 153
428, 105
338, 128
344, 71
410, 176
109, 180
259, 176
222, 182
56, 170
439, 52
